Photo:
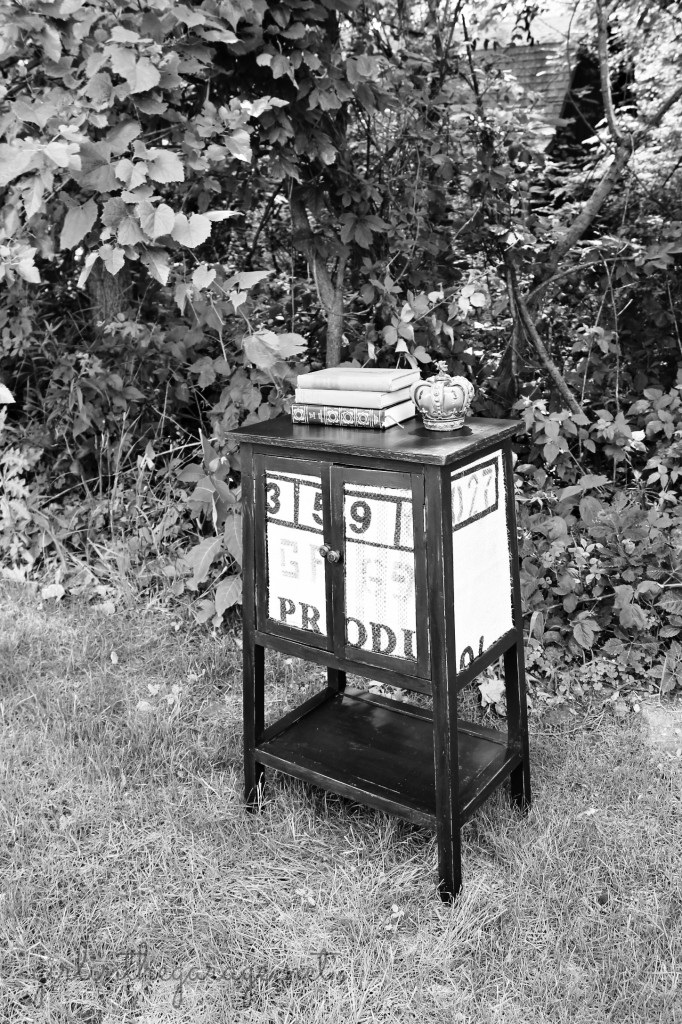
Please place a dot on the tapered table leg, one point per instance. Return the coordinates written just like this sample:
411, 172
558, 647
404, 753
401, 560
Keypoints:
517, 724
336, 679
254, 721
443, 681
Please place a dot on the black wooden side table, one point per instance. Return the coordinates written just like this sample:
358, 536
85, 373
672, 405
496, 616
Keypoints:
391, 555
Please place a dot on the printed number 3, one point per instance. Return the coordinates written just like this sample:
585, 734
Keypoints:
273, 504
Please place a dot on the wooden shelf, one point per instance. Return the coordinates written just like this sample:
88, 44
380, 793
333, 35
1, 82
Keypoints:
379, 752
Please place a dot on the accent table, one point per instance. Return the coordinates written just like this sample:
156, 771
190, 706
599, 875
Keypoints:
392, 555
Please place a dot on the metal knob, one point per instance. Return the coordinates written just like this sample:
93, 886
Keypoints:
330, 554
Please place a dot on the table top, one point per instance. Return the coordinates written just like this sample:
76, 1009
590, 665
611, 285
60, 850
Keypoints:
409, 441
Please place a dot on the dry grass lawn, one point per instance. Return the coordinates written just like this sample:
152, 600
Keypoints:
136, 888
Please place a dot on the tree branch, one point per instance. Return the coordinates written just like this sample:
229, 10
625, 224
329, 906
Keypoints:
625, 146
329, 292
530, 330
659, 113
604, 72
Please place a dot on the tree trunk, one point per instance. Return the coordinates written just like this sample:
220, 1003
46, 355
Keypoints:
329, 288
108, 294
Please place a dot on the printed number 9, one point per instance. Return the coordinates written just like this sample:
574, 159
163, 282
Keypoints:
273, 504
361, 513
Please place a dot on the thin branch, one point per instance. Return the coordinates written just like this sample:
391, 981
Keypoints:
530, 330
659, 113
604, 72
266, 213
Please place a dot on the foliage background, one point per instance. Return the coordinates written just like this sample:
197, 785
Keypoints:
201, 201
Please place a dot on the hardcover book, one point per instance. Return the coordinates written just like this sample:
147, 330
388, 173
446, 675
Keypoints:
358, 378
360, 399
341, 416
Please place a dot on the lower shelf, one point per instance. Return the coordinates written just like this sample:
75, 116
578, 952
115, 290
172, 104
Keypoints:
380, 752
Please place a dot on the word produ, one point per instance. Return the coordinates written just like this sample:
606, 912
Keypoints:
383, 639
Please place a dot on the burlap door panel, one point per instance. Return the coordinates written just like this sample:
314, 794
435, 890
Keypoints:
481, 558
293, 578
383, 567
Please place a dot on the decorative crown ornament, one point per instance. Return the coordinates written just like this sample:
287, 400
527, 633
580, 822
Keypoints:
443, 401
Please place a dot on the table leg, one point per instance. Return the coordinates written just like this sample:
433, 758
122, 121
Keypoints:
447, 809
517, 723
336, 679
443, 680
254, 722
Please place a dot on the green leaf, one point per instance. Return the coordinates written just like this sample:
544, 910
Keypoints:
218, 215
203, 276
13, 162
201, 558
265, 348
550, 452
492, 693
113, 212
623, 595
233, 536
60, 153
569, 492
120, 137
112, 257
164, 166
158, 264
191, 474
584, 633
239, 145
671, 603
592, 479
246, 279
590, 509
228, 593
99, 89
144, 76
191, 232
131, 174
206, 611
649, 587
88, 264
156, 220
78, 221
129, 231
633, 617
97, 172
291, 344
28, 270
261, 349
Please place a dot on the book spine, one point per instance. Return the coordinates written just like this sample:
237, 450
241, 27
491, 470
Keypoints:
356, 382
339, 416
351, 399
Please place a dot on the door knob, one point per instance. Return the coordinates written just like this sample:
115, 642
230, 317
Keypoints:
330, 554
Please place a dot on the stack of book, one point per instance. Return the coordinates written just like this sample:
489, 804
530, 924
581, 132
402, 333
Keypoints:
351, 396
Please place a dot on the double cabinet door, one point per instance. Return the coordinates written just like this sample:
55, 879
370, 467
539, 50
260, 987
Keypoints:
340, 560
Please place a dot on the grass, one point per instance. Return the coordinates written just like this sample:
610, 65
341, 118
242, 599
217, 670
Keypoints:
126, 857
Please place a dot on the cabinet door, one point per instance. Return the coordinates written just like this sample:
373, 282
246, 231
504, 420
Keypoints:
481, 556
293, 592
380, 582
